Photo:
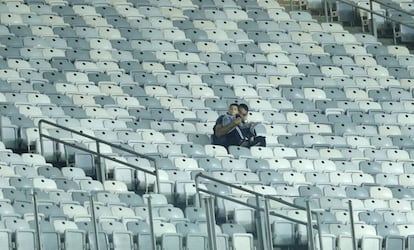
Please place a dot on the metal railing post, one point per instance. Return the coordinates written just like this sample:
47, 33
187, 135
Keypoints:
352, 225
101, 170
261, 236
157, 179
36, 220
95, 226
311, 245
151, 224
41, 139
372, 18
200, 201
325, 3
267, 224
211, 223
318, 222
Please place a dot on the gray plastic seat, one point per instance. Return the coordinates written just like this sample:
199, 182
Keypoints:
259, 36
357, 192
20, 30
399, 94
66, 184
76, 42
335, 50
377, 50
121, 45
323, 38
321, 60
299, 58
303, 105
371, 217
400, 192
387, 61
399, 72
309, 70
310, 191
230, 229
145, 56
75, 21
256, 13
12, 41
117, 21
291, 140
402, 142
292, 93
366, 39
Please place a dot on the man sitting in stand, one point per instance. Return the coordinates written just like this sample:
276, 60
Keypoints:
247, 129
226, 126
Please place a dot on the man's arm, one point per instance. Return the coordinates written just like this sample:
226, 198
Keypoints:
221, 130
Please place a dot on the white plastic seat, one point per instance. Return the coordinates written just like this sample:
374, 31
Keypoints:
129, 12
11, 19
205, 46
86, 66
284, 152
355, 50
398, 50
270, 48
389, 130
236, 14
72, 211
91, 185
61, 226
332, 27
365, 60
226, 24
331, 71
54, 21
115, 186
173, 13
85, 10
161, 228
44, 184
278, 15
43, 31
301, 37
296, 117
330, 154
216, 151
398, 155
122, 212
262, 152
186, 164
377, 71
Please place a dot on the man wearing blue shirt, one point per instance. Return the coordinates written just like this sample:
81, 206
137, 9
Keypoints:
226, 129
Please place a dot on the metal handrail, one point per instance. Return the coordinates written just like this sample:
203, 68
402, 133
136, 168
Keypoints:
102, 173
393, 7
258, 208
36, 220
372, 12
270, 197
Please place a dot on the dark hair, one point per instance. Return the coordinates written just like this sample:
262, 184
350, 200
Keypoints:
234, 104
244, 106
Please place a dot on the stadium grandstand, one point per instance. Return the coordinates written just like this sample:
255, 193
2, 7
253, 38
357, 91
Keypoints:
108, 106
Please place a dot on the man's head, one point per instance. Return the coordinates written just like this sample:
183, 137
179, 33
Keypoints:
243, 111
233, 109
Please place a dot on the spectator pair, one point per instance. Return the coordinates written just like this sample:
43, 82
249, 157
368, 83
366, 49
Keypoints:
233, 128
